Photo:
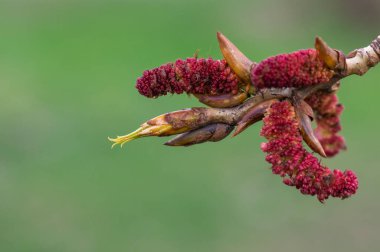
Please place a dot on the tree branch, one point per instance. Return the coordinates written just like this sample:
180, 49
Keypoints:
357, 62
361, 60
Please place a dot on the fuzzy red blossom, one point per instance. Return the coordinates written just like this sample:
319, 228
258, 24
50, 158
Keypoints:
285, 91
297, 69
193, 75
290, 160
328, 110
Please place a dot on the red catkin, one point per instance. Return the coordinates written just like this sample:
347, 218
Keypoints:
193, 75
328, 110
290, 160
297, 69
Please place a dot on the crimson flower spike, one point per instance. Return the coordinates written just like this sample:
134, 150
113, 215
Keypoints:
286, 91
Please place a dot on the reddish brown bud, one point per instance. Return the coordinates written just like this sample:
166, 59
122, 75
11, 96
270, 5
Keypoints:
306, 128
305, 108
209, 133
328, 55
167, 124
239, 63
222, 101
254, 115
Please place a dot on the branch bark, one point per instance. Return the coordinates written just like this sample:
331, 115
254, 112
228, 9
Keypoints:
357, 62
361, 60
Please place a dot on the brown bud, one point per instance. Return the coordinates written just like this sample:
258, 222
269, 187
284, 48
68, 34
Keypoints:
253, 115
306, 108
209, 133
167, 124
239, 63
328, 55
222, 101
183, 120
307, 129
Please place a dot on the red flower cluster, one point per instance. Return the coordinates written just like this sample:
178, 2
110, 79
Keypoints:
297, 69
193, 75
289, 158
282, 128
328, 110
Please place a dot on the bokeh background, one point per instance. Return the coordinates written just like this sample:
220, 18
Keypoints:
67, 76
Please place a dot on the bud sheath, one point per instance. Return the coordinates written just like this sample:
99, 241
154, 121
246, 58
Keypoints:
209, 133
239, 63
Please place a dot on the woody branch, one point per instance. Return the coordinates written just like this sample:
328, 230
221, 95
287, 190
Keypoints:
252, 109
286, 91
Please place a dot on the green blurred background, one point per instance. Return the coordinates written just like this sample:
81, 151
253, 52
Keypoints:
67, 76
